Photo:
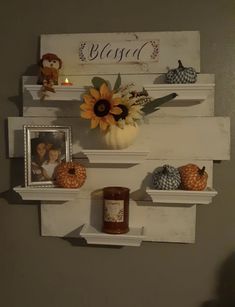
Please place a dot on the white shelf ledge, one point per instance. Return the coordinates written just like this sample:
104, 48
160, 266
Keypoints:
185, 92
116, 156
47, 193
61, 92
93, 236
182, 196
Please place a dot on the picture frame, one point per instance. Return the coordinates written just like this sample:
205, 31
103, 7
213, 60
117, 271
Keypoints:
45, 147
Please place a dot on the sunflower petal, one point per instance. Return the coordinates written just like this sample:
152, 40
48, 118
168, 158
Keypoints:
86, 106
116, 100
105, 92
110, 120
88, 98
103, 124
94, 122
94, 93
116, 110
87, 114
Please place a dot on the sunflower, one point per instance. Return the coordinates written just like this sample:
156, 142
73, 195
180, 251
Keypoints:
100, 107
130, 113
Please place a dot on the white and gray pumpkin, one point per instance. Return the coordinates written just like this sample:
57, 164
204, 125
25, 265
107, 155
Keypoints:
181, 74
166, 178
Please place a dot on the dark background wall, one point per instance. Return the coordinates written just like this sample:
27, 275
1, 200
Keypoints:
48, 272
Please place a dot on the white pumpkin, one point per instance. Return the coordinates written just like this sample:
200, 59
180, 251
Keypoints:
119, 138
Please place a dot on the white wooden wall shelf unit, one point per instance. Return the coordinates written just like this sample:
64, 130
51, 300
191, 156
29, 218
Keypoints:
182, 196
64, 93
94, 236
182, 131
50, 194
185, 92
116, 156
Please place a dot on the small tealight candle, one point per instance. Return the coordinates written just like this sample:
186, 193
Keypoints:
66, 82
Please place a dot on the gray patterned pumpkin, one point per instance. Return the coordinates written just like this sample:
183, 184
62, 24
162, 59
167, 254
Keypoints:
166, 178
181, 75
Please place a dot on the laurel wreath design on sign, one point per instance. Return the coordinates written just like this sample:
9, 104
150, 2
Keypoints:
80, 52
130, 55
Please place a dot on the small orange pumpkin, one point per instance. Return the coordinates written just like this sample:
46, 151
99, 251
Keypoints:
70, 175
193, 178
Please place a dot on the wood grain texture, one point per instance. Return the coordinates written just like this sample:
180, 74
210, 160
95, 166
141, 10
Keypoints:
166, 224
165, 137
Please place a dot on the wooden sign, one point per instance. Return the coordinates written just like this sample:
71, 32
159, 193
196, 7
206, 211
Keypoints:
125, 53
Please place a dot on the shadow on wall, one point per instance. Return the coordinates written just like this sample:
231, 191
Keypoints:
32, 70
226, 285
17, 179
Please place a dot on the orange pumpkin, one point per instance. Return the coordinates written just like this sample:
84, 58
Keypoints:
70, 175
193, 178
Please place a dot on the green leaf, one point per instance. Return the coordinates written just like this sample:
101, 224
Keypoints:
117, 83
156, 103
97, 82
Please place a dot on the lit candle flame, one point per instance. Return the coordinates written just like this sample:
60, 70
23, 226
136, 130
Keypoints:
66, 82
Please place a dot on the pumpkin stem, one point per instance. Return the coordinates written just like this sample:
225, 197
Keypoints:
164, 171
180, 64
202, 171
72, 171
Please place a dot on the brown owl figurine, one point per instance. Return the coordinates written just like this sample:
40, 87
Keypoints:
50, 65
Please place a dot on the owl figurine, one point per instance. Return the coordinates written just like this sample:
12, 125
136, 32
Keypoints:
50, 65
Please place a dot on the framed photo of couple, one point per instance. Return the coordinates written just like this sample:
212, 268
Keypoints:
45, 147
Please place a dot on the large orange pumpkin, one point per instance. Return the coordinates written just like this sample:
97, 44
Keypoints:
70, 175
193, 178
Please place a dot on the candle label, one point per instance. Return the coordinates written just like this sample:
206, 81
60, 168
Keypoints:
113, 210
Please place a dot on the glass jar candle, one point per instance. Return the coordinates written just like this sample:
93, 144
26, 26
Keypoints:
115, 210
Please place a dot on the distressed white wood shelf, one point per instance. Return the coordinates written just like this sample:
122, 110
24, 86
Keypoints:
64, 93
164, 136
93, 236
47, 193
116, 156
182, 196
185, 92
